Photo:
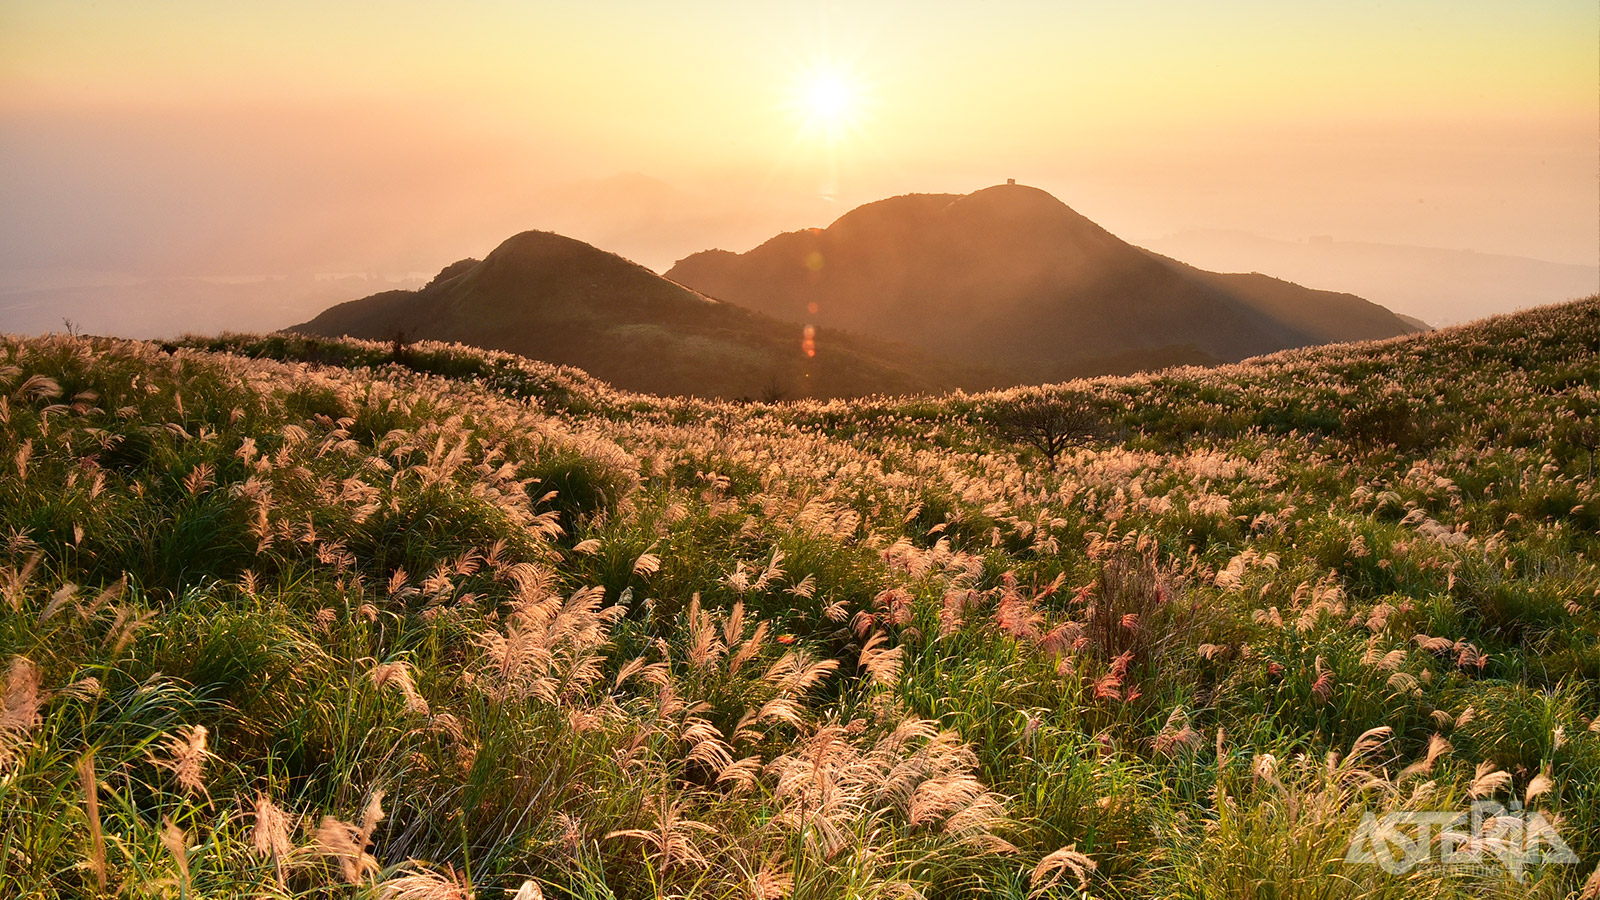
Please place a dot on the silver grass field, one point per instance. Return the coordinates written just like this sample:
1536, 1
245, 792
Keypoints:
286, 617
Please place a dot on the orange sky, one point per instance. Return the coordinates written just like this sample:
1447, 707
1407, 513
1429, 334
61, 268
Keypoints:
189, 138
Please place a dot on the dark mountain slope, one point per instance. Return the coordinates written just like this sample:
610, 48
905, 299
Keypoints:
560, 300
1012, 278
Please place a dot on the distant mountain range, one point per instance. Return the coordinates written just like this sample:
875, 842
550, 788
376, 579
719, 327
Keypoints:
1010, 277
557, 299
1441, 287
914, 294
145, 308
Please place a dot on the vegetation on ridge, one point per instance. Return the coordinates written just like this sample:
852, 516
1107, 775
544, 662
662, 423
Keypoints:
279, 617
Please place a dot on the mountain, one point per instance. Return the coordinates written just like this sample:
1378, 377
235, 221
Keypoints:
560, 300
1010, 277
1437, 285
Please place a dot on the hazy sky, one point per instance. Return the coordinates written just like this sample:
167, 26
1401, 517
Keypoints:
238, 138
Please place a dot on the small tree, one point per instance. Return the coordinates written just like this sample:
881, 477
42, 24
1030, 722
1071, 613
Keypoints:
774, 391
1050, 423
1386, 418
1579, 423
399, 344
1585, 435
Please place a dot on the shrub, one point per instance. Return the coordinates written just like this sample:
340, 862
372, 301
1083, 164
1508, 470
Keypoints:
1050, 423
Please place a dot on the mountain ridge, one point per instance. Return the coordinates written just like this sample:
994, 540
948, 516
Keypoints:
555, 298
1438, 285
1011, 277
916, 294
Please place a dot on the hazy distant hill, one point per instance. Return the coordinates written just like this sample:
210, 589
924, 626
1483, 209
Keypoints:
127, 306
1010, 277
560, 300
1439, 286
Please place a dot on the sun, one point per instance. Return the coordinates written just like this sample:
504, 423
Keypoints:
828, 100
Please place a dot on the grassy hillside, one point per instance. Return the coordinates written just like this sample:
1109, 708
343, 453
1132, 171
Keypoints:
283, 618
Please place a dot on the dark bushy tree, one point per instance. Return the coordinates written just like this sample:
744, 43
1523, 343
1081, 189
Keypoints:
1384, 418
1050, 423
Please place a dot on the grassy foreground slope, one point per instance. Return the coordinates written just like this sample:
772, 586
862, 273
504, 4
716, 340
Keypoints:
467, 623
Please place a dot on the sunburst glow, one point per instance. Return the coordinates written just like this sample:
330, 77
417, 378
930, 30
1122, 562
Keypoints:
829, 98
829, 101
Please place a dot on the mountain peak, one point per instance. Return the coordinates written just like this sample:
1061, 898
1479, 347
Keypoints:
1020, 204
547, 249
1010, 276
1011, 193
561, 300
1003, 285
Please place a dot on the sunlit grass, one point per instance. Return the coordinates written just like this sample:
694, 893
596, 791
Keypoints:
292, 618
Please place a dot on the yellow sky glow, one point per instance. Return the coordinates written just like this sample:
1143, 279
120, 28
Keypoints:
429, 128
